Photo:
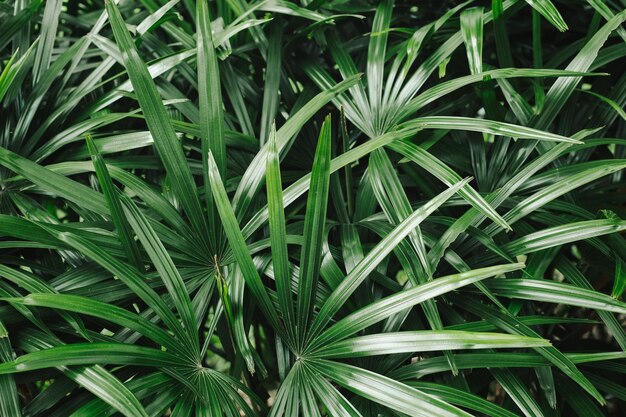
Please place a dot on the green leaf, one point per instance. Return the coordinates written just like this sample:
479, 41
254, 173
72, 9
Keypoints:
211, 113
387, 187
386, 391
299, 187
474, 218
563, 88
124, 272
347, 287
447, 176
49, 24
149, 22
560, 235
333, 400
376, 60
486, 126
33, 283
107, 388
111, 194
89, 354
9, 400
55, 183
565, 184
506, 321
314, 223
239, 247
619, 283
165, 267
503, 45
9, 72
395, 204
461, 398
17, 21
271, 90
574, 276
165, 140
555, 292
94, 308
519, 392
579, 402
493, 360
603, 9
550, 12
385, 307
615, 106
472, 31
423, 341
235, 314
278, 235
442, 89
251, 180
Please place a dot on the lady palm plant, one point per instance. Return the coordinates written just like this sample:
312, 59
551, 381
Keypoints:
197, 218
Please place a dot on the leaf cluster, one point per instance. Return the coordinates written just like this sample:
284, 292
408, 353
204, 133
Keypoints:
315, 208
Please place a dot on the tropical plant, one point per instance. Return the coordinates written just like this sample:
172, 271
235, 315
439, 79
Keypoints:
324, 208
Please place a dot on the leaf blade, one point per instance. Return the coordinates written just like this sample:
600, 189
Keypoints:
314, 223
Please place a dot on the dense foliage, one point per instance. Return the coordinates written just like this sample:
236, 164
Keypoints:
315, 208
